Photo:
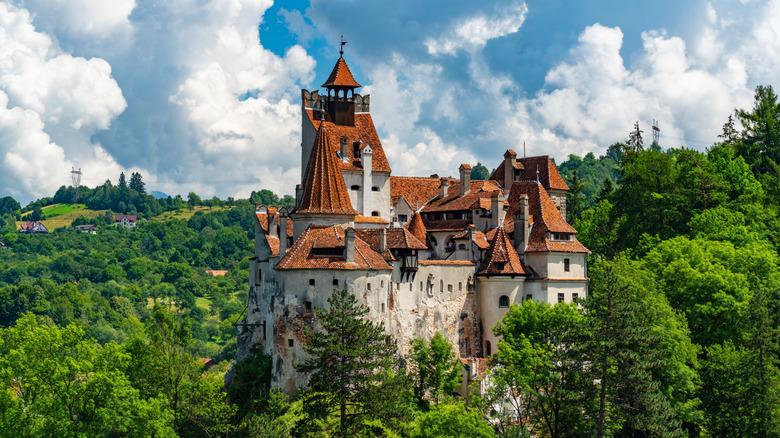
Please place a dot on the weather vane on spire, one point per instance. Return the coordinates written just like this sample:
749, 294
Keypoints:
343, 43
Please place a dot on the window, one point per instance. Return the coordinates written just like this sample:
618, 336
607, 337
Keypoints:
355, 188
401, 218
449, 288
487, 349
575, 296
460, 286
566, 265
375, 189
356, 147
290, 343
561, 298
383, 307
421, 285
311, 282
259, 276
562, 236
441, 285
368, 286
264, 330
529, 297
382, 283
500, 265
375, 213
335, 282
307, 308
461, 246
503, 301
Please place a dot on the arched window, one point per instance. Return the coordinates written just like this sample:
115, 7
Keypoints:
375, 213
503, 301
355, 188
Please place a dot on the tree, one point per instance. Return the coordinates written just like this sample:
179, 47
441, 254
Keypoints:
539, 371
137, 184
351, 365
760, 142
451, 420
634, 141
638, 351
122, 181
436, 368
575, 200
8, 205
479, 172
193, 199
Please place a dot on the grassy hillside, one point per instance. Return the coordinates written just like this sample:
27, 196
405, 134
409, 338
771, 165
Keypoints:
63, 215
186, 212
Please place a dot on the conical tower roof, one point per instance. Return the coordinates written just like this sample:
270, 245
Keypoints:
501, 257
417, 228
324, 190
341, 76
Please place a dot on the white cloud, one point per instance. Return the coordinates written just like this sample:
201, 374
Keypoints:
51, 103
474, 32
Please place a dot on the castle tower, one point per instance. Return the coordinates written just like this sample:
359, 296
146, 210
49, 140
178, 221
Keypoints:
341, 94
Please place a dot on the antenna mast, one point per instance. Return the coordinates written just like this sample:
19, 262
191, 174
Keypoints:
75, 175
656, 131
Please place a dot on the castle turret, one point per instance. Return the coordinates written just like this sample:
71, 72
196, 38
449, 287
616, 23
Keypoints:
340, 101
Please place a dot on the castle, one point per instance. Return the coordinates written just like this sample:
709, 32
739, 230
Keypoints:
423, 254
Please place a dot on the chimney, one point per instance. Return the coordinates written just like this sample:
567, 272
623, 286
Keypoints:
465, 179
366, 158
521, 225
472, 236
383, 241
272, 231
282, 232
444, 187
497, 209
510, 157
349, 245
298, 195
344, 146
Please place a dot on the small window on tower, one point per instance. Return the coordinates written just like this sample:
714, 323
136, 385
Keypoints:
375, 213
503, 301
355, 188
401, 218
307, 310
529, 297
356, 148
375, 189
566, 266
561, 298
290, 343
311, 282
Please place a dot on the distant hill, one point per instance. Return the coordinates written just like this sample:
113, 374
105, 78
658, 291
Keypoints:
158, 195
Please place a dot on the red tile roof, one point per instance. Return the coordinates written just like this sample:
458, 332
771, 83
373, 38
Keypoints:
501, 257
397, 238
545, 218
303, 254
417, 228
363, 130
442, 262
360, 219
548, 173
479, 191
448, 225
262, 218
130, 217
416, 190
324, 190
340, 76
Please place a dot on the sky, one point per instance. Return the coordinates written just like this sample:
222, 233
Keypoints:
204, 95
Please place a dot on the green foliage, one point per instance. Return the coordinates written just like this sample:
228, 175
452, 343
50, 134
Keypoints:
479, 172
451, 420
351, 366
592, 173
435, 367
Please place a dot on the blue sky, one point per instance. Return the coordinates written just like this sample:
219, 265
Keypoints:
204, 95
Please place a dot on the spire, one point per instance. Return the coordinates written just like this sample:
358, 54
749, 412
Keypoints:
341, 76
501, 257
417, 228
324, 189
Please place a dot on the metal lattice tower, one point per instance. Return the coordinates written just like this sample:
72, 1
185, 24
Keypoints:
76, 177
656, 131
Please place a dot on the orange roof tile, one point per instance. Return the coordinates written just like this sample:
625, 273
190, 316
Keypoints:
417, 228
340, 76
549, 176
363, 130
416, 190
545, 218
324, 190
360, 219
501, 257
397, 238
473, 199
304, 255
442, 262
262, 218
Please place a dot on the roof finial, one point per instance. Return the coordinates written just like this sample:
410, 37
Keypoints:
341, 49
537, 174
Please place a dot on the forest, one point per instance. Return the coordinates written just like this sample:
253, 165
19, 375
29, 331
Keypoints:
107, 334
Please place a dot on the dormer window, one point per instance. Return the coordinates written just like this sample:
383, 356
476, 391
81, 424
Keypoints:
563, 237
356, 149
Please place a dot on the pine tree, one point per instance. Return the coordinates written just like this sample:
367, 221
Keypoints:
137, 183
575, 200
351, 364
625, 357
122, 181
635, 138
